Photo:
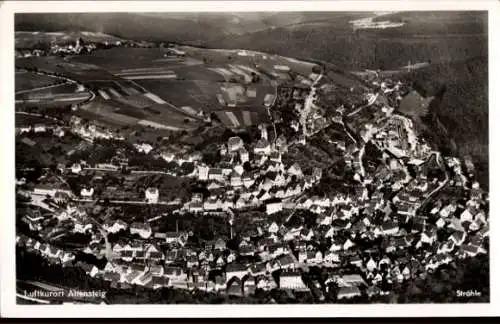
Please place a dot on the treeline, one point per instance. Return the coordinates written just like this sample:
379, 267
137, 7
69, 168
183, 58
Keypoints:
358, 50
443, 285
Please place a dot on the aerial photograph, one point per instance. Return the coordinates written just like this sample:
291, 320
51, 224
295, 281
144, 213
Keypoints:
282, 157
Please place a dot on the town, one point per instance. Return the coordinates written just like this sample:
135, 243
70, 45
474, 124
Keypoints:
248, 213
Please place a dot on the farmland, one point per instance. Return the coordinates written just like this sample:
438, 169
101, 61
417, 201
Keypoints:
25, 81
149, 86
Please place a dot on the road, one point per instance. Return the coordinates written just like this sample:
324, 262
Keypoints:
371, 101
41, 301
37, 115
39, 88
130, 202
92, 94
441, 186
308, 104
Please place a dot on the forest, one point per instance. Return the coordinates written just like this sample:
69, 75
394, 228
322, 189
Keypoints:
461, 106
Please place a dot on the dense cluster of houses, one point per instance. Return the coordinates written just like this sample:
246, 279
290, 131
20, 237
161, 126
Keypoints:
51, 253
246, 180
362, 238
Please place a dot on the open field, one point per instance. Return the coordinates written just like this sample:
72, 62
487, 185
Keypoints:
49, 92
28, 80
241, 118
144, 85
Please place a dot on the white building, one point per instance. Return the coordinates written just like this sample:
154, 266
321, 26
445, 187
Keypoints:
87, 192
152, 195
143, 148
283, 68
234, 144
76, 168
292, 280
203, 172
275, 207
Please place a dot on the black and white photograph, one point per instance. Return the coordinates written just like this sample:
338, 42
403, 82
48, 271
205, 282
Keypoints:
250, 157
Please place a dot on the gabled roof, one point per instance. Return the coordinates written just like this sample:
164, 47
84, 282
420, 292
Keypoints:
233, 267
291, 273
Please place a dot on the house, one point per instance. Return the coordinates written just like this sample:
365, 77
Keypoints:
142, 229
348, 292
87, 192
373, 291
274, 207
195, 207
236, 180
277, 249
440, 223
175, 237
82, 228
446, 247
351, 280
390, 228
287, 261
203, 171
265, 282
295, 170
484, 231
292, 280
89, 269
150, 249
143, 148
144, 279
428, 237
215, 174
175, 274
275, 157
262, 147
127, 255
76, 168
192, 261
336, 246
248, 180
331, 257
273, 228
114, 226
111, 276
244, 156
234, 144
458, 238
152, 195
472, 250
314, 257
168, 156
237, 270
66, 258
371, 265
257, 269
159, 282
348, 244
356, 261
306, 235
234, 289
212, 204
220, 245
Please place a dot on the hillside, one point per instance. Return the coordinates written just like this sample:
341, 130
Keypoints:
180, 27
461, 106
439, 37
126, 25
